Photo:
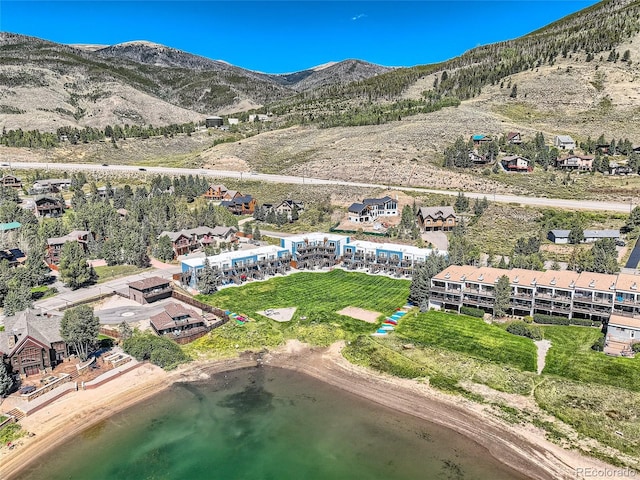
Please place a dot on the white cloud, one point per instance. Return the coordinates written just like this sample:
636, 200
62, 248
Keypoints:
358, 17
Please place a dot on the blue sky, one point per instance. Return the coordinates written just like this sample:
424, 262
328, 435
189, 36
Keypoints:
287, 36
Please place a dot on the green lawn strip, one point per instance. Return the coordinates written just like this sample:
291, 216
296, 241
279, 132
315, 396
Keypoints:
42, 292
106, 273
596, 411
317, 297
10, 433
571, 357
388, 354
471, 336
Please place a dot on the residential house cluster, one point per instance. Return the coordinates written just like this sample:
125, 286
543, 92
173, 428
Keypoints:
594, 296
55, 245
285, 208
189, 240
11, 181
48, 207
232, 200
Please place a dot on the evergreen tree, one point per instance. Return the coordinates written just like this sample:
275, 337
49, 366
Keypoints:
80, 327
462, 203
576, 234
421, 279
164, 249
18, 298
207, 283
74, 270
256, 233
6, 380
502, 294
125, 331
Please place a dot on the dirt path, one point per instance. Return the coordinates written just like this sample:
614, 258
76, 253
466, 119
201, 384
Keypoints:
543, 347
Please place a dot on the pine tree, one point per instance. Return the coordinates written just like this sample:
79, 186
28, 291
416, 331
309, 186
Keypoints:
502, 294
125, 331
207, 283
74, 270
80, 327
164, 249
256, 233
18, 298
6, 380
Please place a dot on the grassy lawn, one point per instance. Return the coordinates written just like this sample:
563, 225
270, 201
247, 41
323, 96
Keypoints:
571, 357
471, 336
317, 296
39, 293
107, 273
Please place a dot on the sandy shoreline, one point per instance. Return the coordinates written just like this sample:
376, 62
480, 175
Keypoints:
523, 450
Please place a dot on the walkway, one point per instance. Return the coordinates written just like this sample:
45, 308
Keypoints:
543, 348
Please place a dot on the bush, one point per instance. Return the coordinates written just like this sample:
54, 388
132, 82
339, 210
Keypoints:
528, 319
523, 330
598, 345
550, 319
158, 350
636, 347
472, 312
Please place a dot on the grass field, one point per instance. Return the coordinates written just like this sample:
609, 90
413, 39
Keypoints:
317, 296
571, 357
471, 336
107, 273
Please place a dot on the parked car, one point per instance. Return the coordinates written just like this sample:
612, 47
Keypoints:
142, 169
105, 164
620, 243
27, 389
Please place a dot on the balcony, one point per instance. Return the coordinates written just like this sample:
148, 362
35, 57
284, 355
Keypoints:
157, 291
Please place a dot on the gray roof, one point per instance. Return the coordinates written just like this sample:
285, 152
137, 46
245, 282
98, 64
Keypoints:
561, 233
377, 201
71, 237
565, 139
218, 231
602, 234
436, 212
356, 207
30, 323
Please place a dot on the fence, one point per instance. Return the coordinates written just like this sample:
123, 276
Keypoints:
64, 377
109, 332
205, 307
84, 301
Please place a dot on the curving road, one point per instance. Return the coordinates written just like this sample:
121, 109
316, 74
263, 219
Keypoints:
517, 199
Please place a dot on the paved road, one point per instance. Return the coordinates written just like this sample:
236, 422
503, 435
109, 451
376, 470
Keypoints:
72, 296
523, 200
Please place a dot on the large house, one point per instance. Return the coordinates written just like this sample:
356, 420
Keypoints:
179, 323
564, 142
186, 241
516, 163
31, 342
478, 159
150, 290
240, 205
55, 244
480, 139
53, 185
11, 181
562, 236
215, 192
436, 218
48, 207
576, 162
372, 208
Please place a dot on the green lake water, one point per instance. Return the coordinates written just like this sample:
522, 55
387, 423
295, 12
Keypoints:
270, 424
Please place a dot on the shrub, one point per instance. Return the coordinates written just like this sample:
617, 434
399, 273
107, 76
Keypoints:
158, 350
472, 312
523, 330
550, 319
528, 319
598, 345
636, 347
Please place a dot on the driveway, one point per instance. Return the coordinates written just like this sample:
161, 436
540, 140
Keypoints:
437, 239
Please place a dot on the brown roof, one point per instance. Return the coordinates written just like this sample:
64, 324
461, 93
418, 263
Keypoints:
166, 319
597, 281
150, 282
627, 282
523, 278
558, 279
621, 321
455, 273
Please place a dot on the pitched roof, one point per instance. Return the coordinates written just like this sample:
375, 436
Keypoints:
602, 234
356, 207
9, 226
564, 139
597, 281
510, 158
511, 135
565, 279
377, 201
30, 323
218, 186
167, 319
627, 282
437, 212
561, 233
149, 283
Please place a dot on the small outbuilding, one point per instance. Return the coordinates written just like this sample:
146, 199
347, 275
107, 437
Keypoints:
213, 122
559, 236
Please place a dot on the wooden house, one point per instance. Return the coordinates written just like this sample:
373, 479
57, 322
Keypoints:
240, 205
179, 323
55, 245
564, 142
372, 208
478, 159
215, 192
575, 162
436, 219
31, 342
11, 181
149, 290
48, 207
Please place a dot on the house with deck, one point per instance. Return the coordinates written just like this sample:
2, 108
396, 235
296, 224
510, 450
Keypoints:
53, 185
575, 162
480, 139
314, 250
31, 342
11, 181
189, 240
478, 159
431, 219
48, 207
516, 163
215, 192
240, 205
179, 323
372, 208
55, 245
149, 290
